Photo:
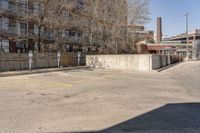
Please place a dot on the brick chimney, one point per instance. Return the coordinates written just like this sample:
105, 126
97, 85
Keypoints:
159, 30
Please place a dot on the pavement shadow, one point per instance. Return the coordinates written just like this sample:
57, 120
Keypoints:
171, 117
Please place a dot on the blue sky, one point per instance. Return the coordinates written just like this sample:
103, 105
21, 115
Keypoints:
172, 13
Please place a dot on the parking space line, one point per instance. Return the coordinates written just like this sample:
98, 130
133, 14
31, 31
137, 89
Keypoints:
50, 84
96, 78
54, 83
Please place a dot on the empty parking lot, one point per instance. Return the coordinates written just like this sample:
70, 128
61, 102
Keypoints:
102, 101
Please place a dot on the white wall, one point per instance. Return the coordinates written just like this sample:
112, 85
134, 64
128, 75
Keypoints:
130, 62
120, 62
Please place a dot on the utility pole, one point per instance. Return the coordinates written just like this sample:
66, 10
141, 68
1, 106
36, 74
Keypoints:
187, 32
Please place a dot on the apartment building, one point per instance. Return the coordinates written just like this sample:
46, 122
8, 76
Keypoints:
21, 31
139, 31
10, 27
17, 33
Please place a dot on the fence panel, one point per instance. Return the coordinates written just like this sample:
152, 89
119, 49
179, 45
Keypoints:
20, 61
45, 60
66, 59
82, 59
11, 62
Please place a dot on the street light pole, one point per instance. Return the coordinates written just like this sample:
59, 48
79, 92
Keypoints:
187, 32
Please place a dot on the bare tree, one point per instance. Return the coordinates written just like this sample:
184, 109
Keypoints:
108, 24
105, 23
60, 23
138, 11
51, 21
119, 14
102, 23
138, 14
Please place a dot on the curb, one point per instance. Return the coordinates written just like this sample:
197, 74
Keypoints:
39, 71
167, 67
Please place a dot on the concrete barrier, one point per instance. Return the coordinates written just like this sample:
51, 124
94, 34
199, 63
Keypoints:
130, 62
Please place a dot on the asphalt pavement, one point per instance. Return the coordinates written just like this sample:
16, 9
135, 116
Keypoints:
107, 101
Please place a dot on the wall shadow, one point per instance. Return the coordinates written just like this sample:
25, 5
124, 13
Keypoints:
171, 117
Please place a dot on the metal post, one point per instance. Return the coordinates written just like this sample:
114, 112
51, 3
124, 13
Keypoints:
169, 58
1, 62
58, 58
79, 58
30, 55
30, 66
187, 39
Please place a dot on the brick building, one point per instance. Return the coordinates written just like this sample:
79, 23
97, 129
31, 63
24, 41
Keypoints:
139, 31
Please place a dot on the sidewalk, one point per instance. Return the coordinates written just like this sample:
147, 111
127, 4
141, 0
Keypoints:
37, 71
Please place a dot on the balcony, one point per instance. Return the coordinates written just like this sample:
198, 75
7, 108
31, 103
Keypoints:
23, 32
13, 10
77, 5
75, 39
10, 31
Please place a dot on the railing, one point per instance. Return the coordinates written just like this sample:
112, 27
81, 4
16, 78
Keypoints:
75, 39
9, 31
8, 8
23, 33
12, 30
16, 10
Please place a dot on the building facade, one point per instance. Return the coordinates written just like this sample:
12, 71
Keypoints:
192, 36
140, 32
18, 32
24, 25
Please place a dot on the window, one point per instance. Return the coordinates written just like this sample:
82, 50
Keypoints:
4, 4
4, 46
23, 27
36, 9
80, 3
1, 23
66, 15
65, 33
36, 31
72, 33
4, 23
12, 27
23, 7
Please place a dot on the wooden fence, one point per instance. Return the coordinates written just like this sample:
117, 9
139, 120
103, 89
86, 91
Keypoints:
20, 61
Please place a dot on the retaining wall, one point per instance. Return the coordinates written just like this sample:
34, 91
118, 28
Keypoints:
130, 62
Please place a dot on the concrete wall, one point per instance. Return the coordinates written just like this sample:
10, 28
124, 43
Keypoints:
129, 62
159, 61
12, 62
